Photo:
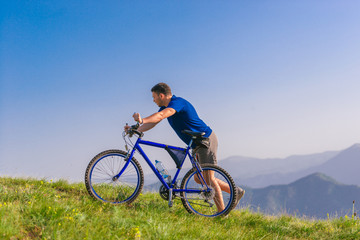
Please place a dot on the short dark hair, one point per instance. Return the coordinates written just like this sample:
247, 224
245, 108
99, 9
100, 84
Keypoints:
162, 88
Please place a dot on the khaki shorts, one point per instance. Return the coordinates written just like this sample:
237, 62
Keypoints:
207, 155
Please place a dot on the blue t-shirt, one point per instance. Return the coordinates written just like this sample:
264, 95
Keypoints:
185, 118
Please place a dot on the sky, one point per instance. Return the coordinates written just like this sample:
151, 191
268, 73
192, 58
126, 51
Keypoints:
271, 78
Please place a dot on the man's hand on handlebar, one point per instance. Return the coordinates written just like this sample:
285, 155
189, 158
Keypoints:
131, 129
127, 128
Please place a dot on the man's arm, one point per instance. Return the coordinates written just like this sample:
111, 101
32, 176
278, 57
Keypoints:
151, 121
146, 126
157, 117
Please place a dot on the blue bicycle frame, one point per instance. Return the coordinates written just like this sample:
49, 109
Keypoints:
160, 177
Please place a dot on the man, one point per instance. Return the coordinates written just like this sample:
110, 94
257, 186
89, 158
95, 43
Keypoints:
182, 116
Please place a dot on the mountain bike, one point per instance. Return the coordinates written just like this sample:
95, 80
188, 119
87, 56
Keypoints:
115, 176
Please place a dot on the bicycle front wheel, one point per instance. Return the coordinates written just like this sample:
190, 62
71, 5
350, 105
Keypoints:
100, 181
198, 199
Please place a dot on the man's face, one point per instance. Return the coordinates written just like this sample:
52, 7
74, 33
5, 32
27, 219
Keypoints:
158, 98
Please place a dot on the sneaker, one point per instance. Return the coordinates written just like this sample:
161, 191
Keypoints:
240, 193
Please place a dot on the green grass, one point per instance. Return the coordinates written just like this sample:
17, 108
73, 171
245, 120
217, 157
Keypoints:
37, 209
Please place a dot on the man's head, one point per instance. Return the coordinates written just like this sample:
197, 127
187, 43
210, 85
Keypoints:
161, 93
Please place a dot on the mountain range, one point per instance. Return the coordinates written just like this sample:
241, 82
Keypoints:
343, 166
316, 195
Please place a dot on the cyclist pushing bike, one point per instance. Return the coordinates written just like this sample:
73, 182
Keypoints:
183, 116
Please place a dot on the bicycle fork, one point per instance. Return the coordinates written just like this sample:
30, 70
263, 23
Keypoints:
127, 159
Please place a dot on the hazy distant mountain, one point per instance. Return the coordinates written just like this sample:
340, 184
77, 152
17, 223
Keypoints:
256, 172
245, 167
273, 179
342, 165
314, 196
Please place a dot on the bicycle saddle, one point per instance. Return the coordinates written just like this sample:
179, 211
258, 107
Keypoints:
193, 134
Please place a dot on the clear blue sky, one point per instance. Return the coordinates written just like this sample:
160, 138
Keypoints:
272, 78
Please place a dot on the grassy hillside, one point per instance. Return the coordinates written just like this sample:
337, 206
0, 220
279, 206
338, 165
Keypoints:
35, 209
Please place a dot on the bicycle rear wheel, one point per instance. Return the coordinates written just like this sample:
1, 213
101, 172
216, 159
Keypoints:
100, 182
212, 203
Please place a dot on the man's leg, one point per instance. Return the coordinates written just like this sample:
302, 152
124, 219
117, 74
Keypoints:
208, 155
213, 182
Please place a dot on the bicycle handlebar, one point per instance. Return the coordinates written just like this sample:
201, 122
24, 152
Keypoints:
133, 129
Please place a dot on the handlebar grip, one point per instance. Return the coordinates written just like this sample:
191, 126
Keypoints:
136, 126
133, 130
